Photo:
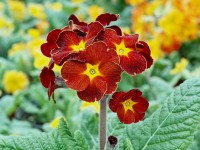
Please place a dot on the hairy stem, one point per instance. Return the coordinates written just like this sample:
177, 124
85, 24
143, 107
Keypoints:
102, 123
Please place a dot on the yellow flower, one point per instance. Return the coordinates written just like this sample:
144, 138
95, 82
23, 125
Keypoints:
37, 11
42, 26
6, 26
54, 123
34, 33
34, 46
135, 2
154, 46
15, 80
57, 68
17, 9
17, 47
40, 61
77, 1
56, 6
94, 11
94, 105
179, 66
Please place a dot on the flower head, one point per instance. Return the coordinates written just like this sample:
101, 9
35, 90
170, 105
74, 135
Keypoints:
96, 75
130, 107
134, 55
15, 80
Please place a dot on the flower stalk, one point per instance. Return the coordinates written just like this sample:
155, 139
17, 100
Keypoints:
102, 123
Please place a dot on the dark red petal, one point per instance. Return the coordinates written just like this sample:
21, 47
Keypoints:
60, 56
112, 74
134, 63
111, 38
116, 100
117, 29
141, 106
138, 117
67, 39
125, 117
106, 18
134, 94
72, 74
53, 35
98, 53
95, 91
51, 90
93, 29
144, 50
76, 21
51, 42
130, 40
46, 77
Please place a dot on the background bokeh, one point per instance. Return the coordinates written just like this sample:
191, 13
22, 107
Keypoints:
170, 27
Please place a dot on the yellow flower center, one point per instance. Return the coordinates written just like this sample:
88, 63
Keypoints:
128, 105
92, 71
121, 49
79, 47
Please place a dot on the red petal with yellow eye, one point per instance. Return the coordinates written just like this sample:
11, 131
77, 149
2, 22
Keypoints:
115, 102
144, 50
95, 91
117, 29
125, 117
67, 39
98, 53
132, 93
51, 42
46, 77
106, 18
134, 63
112, 74
111, 38
72, 73
130, 40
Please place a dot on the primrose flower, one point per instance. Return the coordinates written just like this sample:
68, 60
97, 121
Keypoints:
96, 76
130, 107
54, 123
180, 66
134, 55
15, 80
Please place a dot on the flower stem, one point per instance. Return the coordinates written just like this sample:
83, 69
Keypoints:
102, 123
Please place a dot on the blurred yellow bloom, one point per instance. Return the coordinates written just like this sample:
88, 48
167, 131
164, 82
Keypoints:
42, 26
56, 6
17, 47
135, 2
94, 11
40, 61
94, 105
54, 123
1, 6
34, 46
154, 46
17, 9
179, 66
34, 33
14, 80
57, 68
77, 1
126, 30
6, 26
36, 10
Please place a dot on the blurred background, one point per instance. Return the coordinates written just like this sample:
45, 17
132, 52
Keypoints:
170, 27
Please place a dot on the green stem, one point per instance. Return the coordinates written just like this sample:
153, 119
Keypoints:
102, 123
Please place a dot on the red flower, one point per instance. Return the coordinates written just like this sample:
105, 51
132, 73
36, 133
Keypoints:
134, 56
47, 78
96, 76
130, 107
70, 42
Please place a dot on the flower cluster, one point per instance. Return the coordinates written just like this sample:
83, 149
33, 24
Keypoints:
92, 57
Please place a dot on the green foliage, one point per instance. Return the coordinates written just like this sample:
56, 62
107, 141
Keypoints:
173, 125
60, 139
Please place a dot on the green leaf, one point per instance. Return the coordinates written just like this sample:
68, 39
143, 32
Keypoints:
78, 135
58, 139
171, 127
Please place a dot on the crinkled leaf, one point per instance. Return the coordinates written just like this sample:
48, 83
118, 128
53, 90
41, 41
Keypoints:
171, 127
60, 139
